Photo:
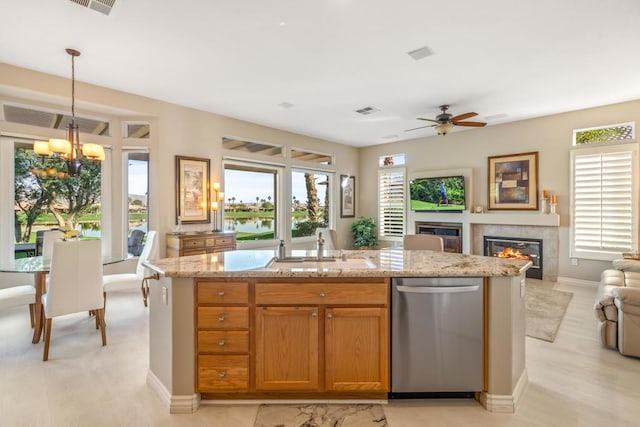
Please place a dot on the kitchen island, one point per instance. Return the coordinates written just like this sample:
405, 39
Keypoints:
237, 326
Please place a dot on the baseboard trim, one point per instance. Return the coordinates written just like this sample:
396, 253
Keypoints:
505, 403
294, 402
181, 404
580, 282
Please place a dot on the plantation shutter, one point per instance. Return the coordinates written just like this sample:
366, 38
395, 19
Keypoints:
391, 193
603, 202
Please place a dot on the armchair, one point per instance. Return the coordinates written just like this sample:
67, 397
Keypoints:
617, 307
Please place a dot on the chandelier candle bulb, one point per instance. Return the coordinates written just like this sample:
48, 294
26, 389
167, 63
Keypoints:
221, 195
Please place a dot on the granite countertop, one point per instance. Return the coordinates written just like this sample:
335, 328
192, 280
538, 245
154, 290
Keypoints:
393, 262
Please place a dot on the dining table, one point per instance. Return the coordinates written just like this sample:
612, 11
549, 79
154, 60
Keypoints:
39, 267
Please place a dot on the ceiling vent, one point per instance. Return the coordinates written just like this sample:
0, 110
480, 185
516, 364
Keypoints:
420, 53
367, 110
102, 6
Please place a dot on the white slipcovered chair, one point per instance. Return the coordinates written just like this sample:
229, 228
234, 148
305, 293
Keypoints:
139, 279
48, 238
422, 242
74, 285
19, 295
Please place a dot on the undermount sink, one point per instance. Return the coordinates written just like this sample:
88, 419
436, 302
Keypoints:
325, 264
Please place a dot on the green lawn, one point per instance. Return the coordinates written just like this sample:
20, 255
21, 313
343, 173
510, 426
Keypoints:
418, 205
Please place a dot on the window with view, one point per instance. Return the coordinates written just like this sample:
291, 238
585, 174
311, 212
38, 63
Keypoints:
251, 205
46, 199
604, 201
310, 204
137, 202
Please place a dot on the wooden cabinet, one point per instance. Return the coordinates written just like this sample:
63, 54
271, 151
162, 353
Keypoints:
287, 348
322, 336
316, 338
199, 243
222, 336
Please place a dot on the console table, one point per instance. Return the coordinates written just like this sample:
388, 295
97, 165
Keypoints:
198, 243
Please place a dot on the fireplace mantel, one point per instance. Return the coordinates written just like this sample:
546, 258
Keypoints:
497, 218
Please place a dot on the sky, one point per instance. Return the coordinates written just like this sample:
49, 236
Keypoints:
246, 186
138, 177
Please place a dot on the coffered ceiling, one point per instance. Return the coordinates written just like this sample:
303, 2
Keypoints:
307, 66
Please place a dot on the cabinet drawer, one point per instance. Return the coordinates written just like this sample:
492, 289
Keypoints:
223, 341
225, 241
187, 252
192, 243
223, 317
322, 293
223, 373
223, 292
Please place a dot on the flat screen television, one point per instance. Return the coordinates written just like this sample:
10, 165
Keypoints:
438, 194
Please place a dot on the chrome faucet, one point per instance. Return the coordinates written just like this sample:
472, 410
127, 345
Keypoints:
320, 247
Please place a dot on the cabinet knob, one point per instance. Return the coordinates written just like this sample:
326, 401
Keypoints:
222, 375
329, 315
220, 293
314, 315
322, 294
221, 318
221, 343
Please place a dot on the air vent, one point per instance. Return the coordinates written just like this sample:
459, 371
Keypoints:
102, 6
285, 105
367, 110
390, 136
420, 53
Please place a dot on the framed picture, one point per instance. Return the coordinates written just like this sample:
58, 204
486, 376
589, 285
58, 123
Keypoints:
347, 196
192, 189
513, 182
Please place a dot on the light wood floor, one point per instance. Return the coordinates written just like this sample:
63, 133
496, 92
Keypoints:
572, 382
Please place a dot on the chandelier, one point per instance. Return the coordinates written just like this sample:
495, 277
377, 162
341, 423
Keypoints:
69, 150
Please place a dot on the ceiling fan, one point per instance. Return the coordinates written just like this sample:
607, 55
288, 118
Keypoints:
444, 121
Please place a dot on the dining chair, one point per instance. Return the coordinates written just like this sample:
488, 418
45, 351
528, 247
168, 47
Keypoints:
423, 241
48, 238
74, 285
123, 281
18, 295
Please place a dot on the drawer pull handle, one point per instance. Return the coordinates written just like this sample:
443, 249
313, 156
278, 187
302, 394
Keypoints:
220, 293
221, 343
221, 318
322, 294
222, 375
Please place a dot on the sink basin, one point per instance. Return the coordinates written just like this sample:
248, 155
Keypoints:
292, 263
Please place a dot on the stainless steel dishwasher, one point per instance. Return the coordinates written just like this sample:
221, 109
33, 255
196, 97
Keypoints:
436, 337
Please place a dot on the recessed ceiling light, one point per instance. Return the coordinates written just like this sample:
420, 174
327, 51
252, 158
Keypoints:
420, 53
282, 23
390, 137
496, 116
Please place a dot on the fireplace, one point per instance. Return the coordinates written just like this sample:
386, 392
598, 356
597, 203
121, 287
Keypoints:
517, 248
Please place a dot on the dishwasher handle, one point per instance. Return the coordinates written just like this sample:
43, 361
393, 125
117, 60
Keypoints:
437, 289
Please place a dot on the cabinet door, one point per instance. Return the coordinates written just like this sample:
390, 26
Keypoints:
357, 356
287, 348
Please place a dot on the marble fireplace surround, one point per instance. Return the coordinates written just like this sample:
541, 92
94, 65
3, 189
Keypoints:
517, 224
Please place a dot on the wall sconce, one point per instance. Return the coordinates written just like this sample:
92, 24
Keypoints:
216, 204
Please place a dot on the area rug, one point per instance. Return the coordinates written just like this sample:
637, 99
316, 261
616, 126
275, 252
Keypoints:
545, 309
320, 416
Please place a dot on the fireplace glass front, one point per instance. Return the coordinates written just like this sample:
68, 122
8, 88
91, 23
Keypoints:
517, 248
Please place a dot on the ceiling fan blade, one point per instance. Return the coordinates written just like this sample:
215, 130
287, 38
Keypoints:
421, 127
427, 120
463, 116
473, 124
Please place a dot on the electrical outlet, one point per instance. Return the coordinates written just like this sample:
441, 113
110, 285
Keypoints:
574, 261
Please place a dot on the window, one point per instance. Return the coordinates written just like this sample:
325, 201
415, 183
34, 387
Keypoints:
44, 199
251, 202
391, 202
137, 199
610, 133
310, 205
604, 201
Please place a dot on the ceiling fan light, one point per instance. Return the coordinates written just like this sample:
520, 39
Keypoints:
444, 128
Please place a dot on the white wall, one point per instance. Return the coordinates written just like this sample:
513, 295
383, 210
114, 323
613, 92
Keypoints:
551, 136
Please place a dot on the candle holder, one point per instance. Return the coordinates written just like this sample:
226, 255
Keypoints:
553, 208
215, 205
543, 205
